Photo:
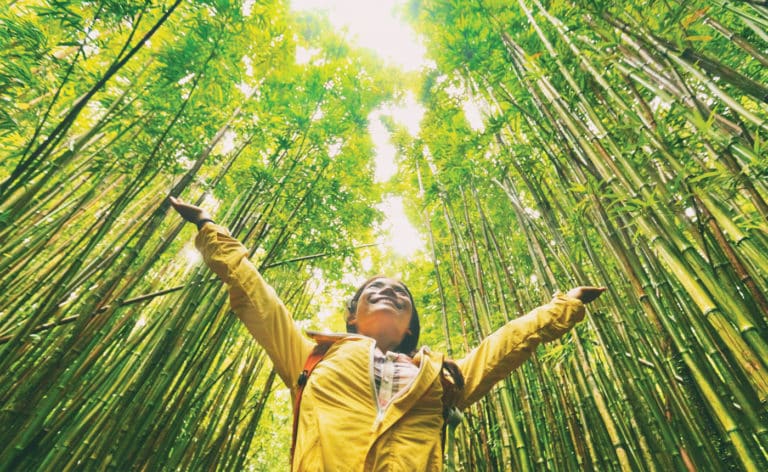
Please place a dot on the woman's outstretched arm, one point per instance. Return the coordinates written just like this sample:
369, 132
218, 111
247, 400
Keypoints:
251, 298
512, 344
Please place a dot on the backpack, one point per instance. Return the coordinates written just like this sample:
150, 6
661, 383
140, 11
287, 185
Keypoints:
452, 416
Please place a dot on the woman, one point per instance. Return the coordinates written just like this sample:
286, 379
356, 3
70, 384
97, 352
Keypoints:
374, 402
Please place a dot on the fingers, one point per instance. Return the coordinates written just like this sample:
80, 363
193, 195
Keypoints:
188, 211
586, 293
591, 293
177, 204
180, 205
182, 208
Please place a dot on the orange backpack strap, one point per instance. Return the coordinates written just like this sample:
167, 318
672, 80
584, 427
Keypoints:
317, 354
453, 382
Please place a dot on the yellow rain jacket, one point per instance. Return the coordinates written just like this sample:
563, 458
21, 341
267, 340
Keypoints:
340, 425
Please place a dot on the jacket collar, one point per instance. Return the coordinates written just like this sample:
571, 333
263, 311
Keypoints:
330, 338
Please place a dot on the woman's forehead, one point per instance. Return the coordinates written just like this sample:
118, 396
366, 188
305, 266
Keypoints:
386, 280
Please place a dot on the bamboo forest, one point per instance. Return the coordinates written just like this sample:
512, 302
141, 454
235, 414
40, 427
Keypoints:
622, 144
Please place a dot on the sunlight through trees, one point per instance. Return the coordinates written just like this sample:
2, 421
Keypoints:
562, 143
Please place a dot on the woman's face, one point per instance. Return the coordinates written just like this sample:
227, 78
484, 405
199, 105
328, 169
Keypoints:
383, 312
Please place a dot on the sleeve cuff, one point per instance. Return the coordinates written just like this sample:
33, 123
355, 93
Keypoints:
202, 223
206, 235
562, 296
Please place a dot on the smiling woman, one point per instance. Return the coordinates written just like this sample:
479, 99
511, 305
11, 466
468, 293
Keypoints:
375, 402
383, 308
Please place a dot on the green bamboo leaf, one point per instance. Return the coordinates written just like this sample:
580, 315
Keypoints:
700, 37
624, 146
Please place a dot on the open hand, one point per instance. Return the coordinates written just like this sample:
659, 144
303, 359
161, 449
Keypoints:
192, 213
586, 294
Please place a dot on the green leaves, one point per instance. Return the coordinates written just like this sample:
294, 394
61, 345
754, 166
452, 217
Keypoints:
607, 125
288, 164
613, 119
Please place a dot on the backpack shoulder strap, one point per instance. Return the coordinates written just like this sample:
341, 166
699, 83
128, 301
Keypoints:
317, 354
453, 382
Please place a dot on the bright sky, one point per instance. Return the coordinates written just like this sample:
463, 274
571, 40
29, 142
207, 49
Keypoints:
374, 24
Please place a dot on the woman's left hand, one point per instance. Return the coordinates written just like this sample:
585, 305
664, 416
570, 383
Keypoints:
192, 213
586, 294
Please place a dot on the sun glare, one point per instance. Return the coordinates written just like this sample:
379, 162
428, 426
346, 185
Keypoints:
400, 235
373, 25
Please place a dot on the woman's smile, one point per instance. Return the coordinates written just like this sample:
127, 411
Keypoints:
383, 312
386, 299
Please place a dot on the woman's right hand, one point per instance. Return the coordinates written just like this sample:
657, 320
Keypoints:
586, 294
192, 213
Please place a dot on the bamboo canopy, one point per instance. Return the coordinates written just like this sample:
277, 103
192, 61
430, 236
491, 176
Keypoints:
563, 143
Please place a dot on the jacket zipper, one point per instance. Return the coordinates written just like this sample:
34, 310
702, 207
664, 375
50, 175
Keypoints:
379, 410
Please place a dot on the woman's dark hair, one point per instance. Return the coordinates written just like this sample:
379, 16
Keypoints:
410, 341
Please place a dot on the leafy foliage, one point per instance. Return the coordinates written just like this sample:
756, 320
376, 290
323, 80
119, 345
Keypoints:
620, 144
607, 141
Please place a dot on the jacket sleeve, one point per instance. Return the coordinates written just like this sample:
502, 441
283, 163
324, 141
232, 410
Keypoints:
255, 302
512, 344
